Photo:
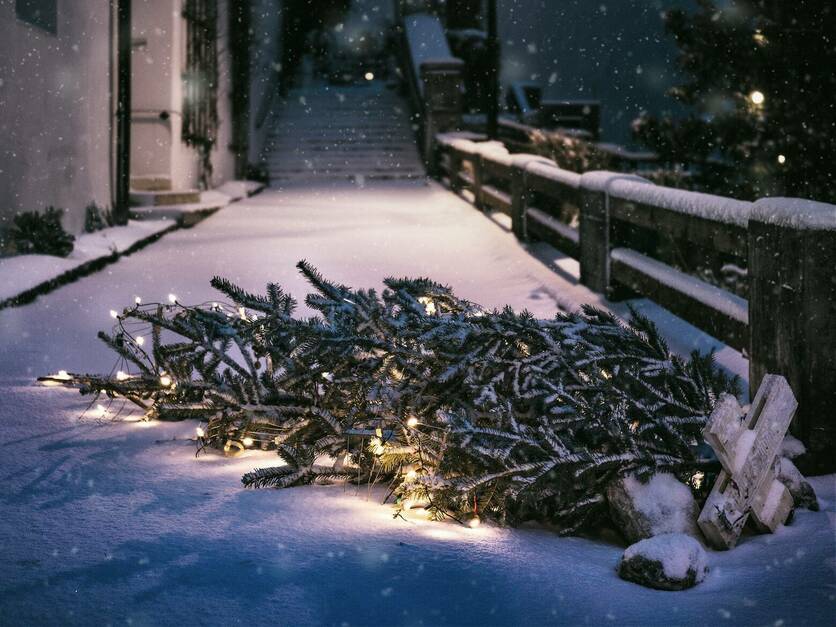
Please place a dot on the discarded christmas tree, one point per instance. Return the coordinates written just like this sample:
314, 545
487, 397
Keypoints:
463, 411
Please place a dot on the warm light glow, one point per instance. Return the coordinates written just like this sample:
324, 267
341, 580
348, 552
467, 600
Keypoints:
140, 340
377, 446
411, 475
248, 441
243, 313
137, 300
172, 298
412, 422
63, 375
200, 432
474, 522
165, 380
114, 313
698, 479
429, 305
782, 159
121, 376
757, 97
369, 76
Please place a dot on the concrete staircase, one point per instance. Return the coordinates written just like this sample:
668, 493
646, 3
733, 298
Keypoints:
358, 132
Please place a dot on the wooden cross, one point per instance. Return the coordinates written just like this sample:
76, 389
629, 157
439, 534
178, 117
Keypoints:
747, 447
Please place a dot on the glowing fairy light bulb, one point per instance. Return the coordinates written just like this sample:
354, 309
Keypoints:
172, 298
369, 76
412, 422
429, 305
165, 380
782, 159
474, 522
200, 432
376, 446
137, 300
114, 314
248, 441
122, 376
757, 97
140, 340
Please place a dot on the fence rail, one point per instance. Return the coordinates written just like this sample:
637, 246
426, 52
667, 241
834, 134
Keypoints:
532, 191
614, 224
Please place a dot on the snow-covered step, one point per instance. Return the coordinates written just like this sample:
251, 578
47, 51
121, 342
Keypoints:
349, 133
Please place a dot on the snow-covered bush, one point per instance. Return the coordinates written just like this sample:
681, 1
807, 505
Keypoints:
41, 233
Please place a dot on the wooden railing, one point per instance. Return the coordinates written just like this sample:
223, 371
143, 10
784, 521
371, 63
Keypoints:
788, 325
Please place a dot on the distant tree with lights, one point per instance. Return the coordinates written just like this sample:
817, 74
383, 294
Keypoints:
760, 84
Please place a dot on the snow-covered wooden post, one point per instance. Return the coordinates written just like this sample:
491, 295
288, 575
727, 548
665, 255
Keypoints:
792, 313
442, 82
520, 194
595, 228
746, 448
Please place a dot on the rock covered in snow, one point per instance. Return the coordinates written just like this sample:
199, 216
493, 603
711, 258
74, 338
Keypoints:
802, 492
671, 561
662, 505
792, 447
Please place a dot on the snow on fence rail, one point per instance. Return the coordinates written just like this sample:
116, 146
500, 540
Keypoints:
786, 327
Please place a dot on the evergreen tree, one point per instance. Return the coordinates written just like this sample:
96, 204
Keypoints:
760, 85
464, 411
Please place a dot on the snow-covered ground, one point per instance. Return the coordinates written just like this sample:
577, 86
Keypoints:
118, 522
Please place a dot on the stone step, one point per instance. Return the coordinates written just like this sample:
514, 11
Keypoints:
162, 198
150, 183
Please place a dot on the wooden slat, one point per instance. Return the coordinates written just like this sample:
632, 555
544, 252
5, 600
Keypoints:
712, 235
714, 310
496, 169
552, 188
552, 231
496, 199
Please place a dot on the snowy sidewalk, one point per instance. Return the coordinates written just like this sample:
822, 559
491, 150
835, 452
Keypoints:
115, 522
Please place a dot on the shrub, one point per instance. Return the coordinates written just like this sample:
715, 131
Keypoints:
97, 218
41, 233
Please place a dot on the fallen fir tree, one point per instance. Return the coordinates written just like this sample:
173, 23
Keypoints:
463, 411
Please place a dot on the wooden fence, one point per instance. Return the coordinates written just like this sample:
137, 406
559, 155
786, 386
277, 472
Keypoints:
787, 246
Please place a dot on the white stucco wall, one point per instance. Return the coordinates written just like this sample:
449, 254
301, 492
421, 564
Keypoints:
55, 112
159, 34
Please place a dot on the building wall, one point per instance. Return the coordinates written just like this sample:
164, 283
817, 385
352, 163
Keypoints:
616, 52
157, 150
55, 108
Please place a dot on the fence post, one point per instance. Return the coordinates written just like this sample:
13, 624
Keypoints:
442, 87
478, 180
520, 196
595, 228
792, 314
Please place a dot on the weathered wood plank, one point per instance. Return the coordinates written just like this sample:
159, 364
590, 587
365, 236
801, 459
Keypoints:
709, 234
715, 311
542, 226
747, 448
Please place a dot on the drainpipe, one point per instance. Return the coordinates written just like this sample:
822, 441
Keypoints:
123, 111
493, 78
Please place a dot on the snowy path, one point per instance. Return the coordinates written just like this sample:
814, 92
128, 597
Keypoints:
116, 522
